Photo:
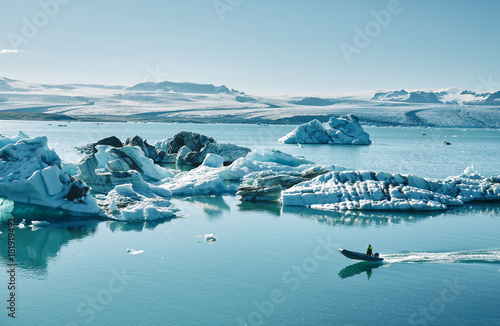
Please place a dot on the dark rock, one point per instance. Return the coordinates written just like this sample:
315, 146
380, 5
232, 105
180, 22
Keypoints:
110, 141
195, 142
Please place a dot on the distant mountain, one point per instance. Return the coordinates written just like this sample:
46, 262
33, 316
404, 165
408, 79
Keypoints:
423, 97
493, 99
453, 96
401, 95
182, 88
314, 101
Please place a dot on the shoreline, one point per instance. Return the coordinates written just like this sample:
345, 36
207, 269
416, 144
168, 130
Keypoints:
292, 121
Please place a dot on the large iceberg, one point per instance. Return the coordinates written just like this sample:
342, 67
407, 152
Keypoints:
192, 148
385, 191
111, 166
267, 185
124, 203
30, 172
345, 130
212, 178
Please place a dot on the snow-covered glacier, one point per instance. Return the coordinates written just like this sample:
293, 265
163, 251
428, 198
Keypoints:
360, 190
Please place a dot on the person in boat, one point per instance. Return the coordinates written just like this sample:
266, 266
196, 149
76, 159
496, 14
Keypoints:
369, 250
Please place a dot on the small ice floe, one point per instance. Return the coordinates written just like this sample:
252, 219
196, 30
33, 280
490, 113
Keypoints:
454, 136
35, 225
134, 252
210, 237
22, 225
197, 236
300, 145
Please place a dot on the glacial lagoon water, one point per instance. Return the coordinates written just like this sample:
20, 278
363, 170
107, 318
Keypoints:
270, 265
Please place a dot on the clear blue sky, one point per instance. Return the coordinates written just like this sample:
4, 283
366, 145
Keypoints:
261, 46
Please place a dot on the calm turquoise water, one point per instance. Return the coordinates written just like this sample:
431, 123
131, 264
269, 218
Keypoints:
270, 265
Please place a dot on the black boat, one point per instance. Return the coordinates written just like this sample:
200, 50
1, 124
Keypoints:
360, 256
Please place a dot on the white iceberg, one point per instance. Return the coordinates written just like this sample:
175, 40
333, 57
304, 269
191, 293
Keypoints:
112, 166
345, 130
4, 140
124, 203
207, 180
30, 172
134, 252
350, 190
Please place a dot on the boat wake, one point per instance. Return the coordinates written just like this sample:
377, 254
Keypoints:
471, 256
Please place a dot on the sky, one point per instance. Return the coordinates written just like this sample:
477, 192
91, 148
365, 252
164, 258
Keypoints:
255, 46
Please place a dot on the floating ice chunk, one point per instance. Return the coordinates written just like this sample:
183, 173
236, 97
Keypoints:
6, 205
276, 156
349, 190
124, 203
134, 252
210, 237
345, 130
213, 161
112, 166
202, 180
31, 173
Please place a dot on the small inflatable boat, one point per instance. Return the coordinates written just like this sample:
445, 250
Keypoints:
360, 256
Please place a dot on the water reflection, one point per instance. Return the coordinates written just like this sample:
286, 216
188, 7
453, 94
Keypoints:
360, 218
273, 208
213, 206
359, 268
138, 226
37, 244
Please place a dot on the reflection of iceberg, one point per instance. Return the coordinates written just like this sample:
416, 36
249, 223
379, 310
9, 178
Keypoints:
136, 226
271, 207
212, 206
36, 246
359, 217
359, 268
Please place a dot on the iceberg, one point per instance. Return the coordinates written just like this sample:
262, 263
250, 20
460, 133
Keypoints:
214, 179
111, 166
30, 172
360, 190
191, 148
267, 185
345, 130
124, 203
